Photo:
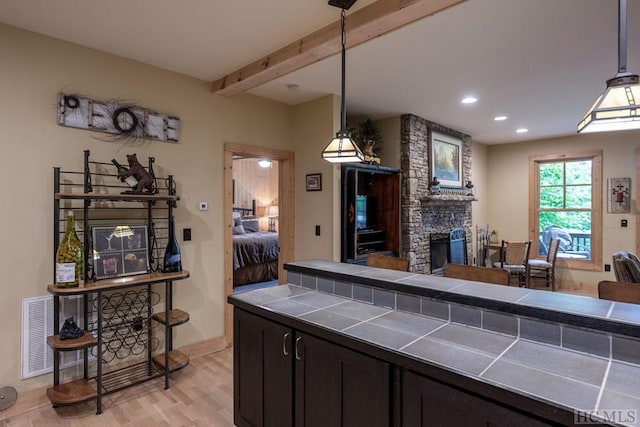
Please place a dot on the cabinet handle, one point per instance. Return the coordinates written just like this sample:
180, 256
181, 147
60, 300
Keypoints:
298, 356
284, 344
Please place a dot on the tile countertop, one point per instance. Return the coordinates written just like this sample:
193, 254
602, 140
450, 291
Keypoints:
559, 376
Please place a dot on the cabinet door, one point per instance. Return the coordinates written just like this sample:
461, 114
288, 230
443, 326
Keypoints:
263, 372
339, 387
429, 403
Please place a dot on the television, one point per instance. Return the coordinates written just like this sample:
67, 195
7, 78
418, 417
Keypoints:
366, 212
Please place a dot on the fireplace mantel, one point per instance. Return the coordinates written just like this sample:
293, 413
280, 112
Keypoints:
448, 198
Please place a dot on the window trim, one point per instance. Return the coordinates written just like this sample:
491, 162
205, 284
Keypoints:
595, 263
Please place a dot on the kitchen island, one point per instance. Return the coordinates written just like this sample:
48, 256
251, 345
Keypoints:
344, 344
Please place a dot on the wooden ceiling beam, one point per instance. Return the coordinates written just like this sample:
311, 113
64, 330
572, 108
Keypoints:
372, 21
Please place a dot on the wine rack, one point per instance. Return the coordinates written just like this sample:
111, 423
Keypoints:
128, 319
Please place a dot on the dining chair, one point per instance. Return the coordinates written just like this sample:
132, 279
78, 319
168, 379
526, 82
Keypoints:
545, 269
389, 262
626, 267
514, 257
497, 276
619, 291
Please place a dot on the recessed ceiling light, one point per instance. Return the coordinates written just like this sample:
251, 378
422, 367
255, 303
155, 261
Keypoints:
469, 100
522, 130
264, 163
500, 118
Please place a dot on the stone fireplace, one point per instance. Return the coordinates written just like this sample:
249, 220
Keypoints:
424, 214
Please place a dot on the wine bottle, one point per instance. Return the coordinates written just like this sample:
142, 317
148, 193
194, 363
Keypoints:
69, 257
172, 257
130, 180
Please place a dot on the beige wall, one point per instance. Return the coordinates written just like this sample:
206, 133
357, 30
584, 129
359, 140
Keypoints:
34, 69
315, 124
507, 191
390, 134
479, 216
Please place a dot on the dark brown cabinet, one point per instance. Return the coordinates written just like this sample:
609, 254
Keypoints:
370, 211
282, 376
427, 403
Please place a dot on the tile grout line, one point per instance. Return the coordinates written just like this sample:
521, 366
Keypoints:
498, 357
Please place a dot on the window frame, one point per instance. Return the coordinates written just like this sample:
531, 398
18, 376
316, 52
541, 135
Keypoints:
595, 263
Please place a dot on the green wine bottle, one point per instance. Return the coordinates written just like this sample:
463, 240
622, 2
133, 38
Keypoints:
130, 180
69, 257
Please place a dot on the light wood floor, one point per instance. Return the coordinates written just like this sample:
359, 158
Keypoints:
200, 395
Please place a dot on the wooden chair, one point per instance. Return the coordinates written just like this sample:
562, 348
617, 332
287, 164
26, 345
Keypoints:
619, 291
389, 262
514, 257
498, 276
545, 269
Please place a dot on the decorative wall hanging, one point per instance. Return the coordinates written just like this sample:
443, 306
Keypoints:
314, 182
125, 121
120, 250
619, 195
445, 159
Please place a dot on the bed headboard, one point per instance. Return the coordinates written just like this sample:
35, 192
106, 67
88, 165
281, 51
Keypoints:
247, 211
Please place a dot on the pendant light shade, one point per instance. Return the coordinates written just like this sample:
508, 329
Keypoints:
342, 149
618, 108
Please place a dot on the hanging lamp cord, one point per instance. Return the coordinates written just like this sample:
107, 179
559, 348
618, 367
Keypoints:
622, 36
343, 107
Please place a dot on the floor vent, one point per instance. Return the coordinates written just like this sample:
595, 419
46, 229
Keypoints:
37, 325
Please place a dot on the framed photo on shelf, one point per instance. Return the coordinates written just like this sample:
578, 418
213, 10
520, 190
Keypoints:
120, 250
314, 182
445, 159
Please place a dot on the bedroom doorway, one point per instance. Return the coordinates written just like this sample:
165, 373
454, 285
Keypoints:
273, 208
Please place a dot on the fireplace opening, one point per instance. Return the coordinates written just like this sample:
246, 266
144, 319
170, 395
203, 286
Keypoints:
447, 248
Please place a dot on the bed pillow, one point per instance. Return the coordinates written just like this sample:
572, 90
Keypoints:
250, 224
238, 229
237, 219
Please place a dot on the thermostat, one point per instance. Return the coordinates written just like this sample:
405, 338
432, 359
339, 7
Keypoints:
203, 206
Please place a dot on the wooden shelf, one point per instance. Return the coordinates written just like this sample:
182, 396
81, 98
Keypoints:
176, 317
72, 392
117, 197
177, 360
118, 282
86, 340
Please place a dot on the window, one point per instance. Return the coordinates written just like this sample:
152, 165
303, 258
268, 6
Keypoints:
565, 199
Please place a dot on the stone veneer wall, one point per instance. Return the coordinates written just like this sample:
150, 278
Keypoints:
420, 214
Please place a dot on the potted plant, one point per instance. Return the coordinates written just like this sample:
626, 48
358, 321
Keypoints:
367, 136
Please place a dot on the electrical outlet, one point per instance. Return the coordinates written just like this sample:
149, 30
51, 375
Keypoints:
186, 234
607, 267
623, 223
317, 230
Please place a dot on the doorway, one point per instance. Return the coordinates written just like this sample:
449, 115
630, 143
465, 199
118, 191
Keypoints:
286, 214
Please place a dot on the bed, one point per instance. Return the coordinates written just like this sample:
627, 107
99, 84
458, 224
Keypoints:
255, 252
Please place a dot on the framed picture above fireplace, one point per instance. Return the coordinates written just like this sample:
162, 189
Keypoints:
445, 159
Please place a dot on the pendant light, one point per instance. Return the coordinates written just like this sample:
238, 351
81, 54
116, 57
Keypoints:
342, 149
619, 107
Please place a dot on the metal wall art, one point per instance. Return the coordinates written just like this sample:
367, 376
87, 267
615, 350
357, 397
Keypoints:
619, 200
125, 121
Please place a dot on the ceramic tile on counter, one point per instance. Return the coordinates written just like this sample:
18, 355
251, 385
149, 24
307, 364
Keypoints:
329, 319
449, 355
408, 323
586, 341
380, 335
491, 291
624, 378
431, 282
625, 312
477, 340
318, 300
540, 330
622, 405
271, 294
625, 349
289, 307
574, 394
330, 266
498, 322
553, 360
385, 274
568, 303
358, 310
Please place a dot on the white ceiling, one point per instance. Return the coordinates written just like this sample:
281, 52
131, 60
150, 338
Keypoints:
540, 62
